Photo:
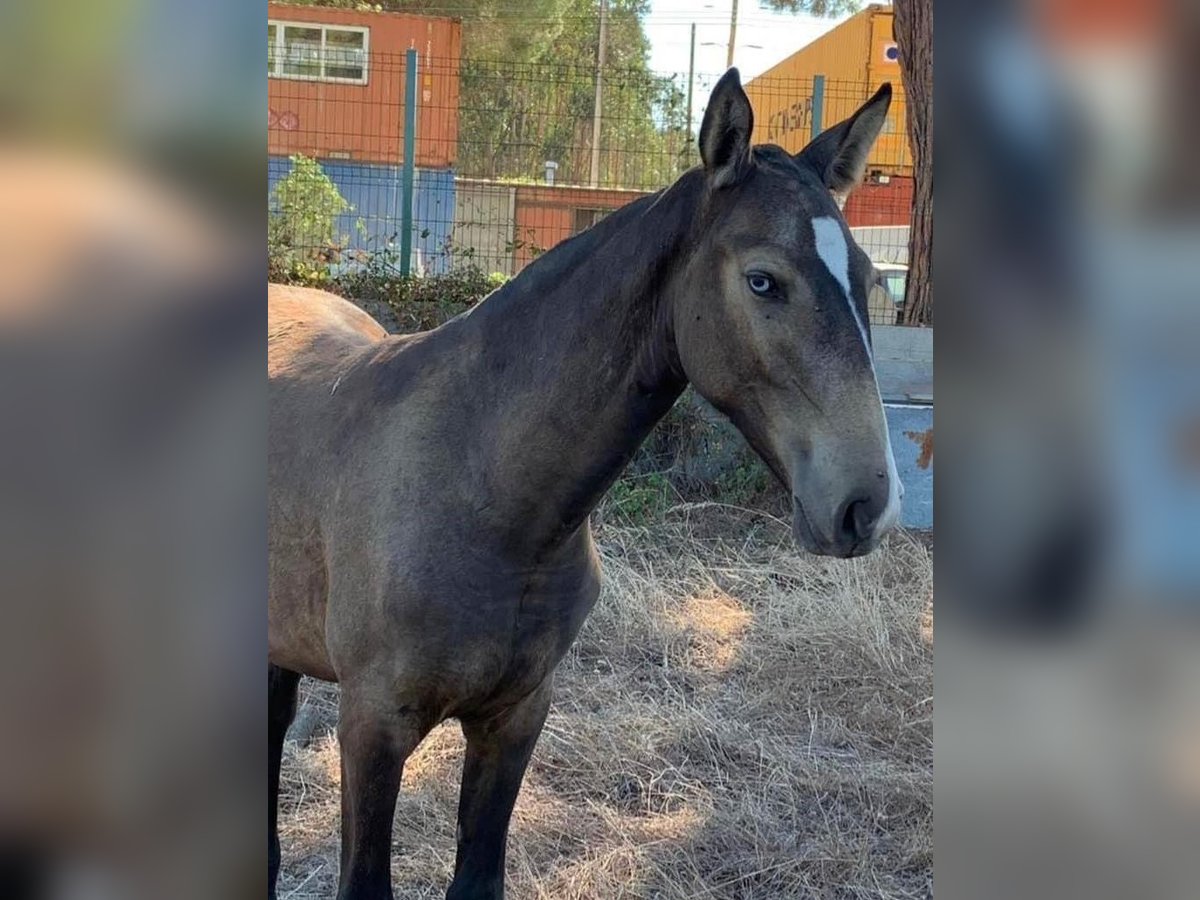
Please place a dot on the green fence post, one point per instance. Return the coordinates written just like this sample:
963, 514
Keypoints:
410, 164
818, 105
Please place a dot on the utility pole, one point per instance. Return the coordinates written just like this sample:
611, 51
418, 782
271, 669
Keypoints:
732, 34
600, 55
691, 80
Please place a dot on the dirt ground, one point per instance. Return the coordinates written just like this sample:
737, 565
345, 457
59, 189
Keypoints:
737, 720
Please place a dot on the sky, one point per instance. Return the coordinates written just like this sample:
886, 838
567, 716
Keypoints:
763, 38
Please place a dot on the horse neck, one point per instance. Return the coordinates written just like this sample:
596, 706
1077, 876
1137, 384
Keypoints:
580, 357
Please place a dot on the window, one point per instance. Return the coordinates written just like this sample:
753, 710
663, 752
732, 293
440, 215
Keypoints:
895, 282
312, 51
345, 53
586, 218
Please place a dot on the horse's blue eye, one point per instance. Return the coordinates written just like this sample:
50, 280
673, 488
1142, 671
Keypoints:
760, 283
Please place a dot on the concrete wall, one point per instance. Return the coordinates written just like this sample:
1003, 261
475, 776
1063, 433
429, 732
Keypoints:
904, 368
903, 362
484, 218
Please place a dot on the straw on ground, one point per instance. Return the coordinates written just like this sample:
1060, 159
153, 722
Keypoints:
737, 720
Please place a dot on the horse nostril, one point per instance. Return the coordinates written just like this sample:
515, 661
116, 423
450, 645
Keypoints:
851, 520
866, 514
858, 519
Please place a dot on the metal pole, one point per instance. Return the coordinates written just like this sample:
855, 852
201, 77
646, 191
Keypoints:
410, 162
691, 80
732, 35
818, 106
600, 55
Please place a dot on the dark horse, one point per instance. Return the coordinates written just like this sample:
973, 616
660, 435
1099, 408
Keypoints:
429, 494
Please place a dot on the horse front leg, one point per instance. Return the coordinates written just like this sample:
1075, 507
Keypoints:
282, 688
376, 738
498, 751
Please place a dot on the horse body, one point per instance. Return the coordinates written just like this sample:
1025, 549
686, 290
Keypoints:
386, 548
429, 541
429, 494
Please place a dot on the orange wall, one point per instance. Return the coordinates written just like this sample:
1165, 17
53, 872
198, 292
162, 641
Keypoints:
545, 214
366, 122
891, 152
851, 57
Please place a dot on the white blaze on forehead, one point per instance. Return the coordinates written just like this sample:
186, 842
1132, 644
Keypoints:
833, 250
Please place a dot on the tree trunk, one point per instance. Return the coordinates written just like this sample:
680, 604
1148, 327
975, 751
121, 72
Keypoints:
913, 30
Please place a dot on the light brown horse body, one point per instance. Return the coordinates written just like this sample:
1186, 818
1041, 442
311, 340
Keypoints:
429, 494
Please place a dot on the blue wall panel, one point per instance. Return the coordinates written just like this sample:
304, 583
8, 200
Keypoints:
374, 193
433, 218
911, 429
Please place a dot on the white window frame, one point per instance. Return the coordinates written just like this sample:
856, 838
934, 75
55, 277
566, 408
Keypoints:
282, 24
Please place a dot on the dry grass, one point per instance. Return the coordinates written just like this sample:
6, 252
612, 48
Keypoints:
737, 720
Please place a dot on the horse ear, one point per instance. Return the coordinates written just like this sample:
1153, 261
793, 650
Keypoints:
725, 131
840, 154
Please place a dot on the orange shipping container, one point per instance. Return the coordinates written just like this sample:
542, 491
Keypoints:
855, 58
335, 85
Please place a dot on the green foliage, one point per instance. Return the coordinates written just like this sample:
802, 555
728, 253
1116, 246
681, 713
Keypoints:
306, 204
526, 243
744, 483
541, 108
691, 456
404, 303
302, 213
421, 303
639, 499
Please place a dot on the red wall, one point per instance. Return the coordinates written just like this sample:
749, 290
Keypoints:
366, 122
881, 204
